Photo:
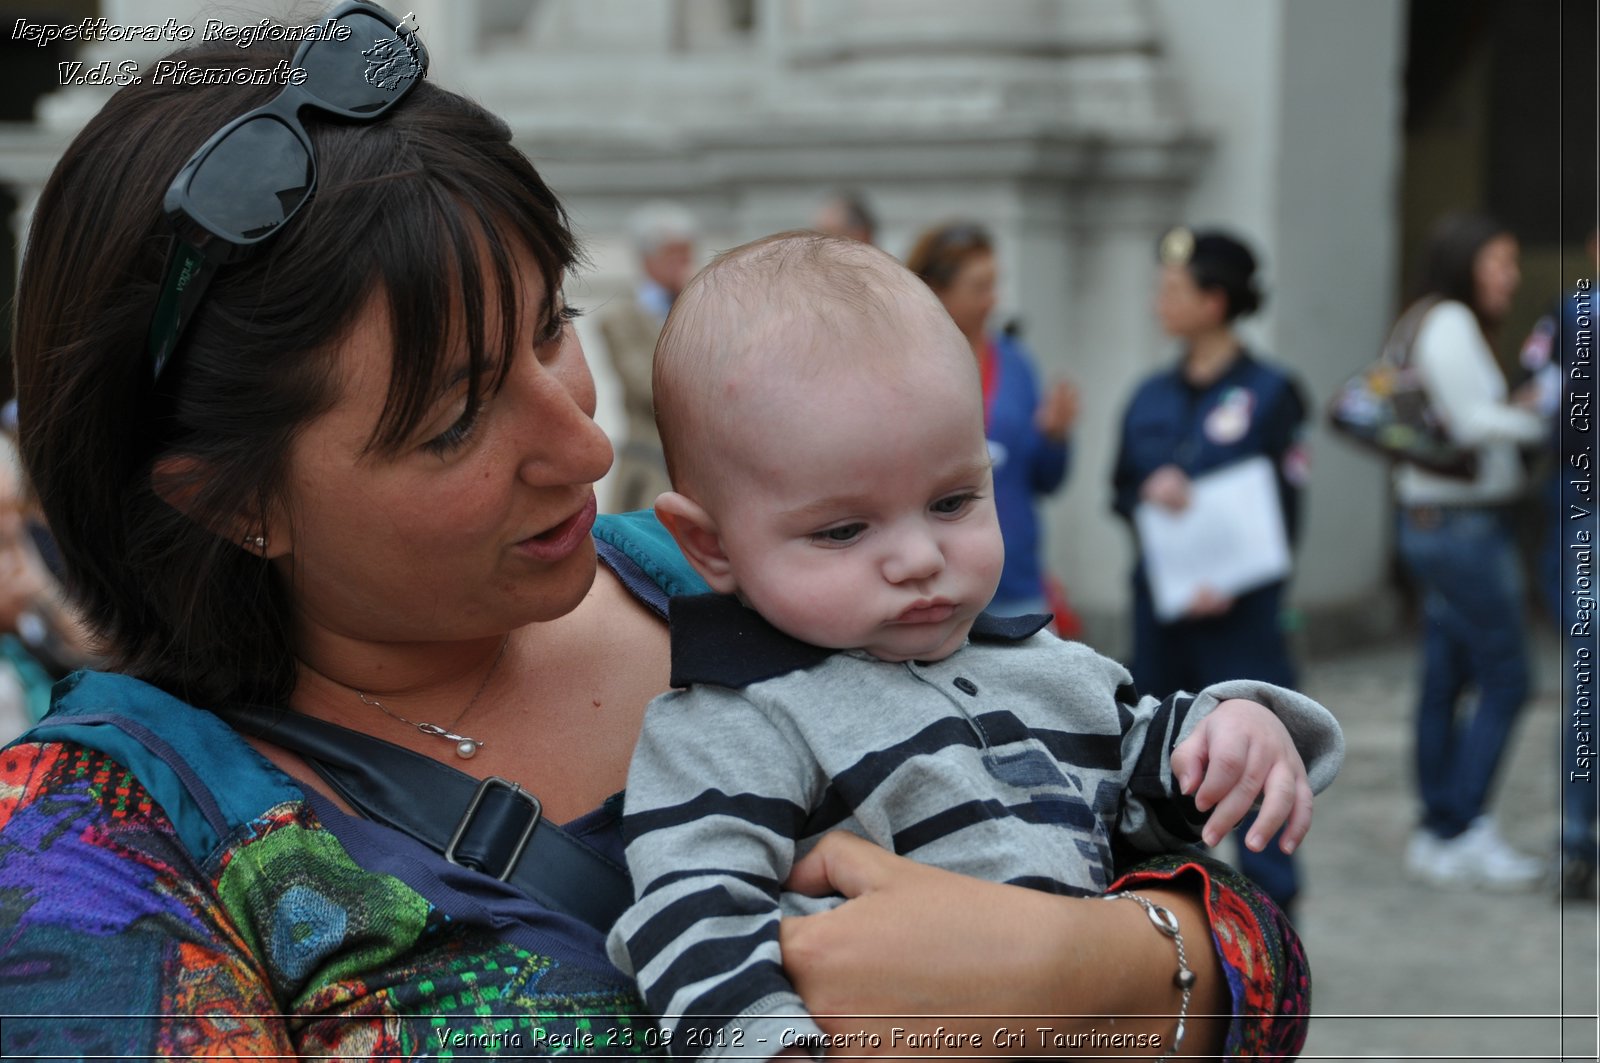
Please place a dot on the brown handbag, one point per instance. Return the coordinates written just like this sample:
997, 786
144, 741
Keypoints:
1385, 408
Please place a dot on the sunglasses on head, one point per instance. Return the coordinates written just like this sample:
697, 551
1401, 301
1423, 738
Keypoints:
245, 183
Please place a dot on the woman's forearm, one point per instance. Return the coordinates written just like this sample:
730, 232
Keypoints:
1103, 977
998, 969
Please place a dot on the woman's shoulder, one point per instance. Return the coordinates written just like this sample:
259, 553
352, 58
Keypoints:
643, 554
1012, 348
1446, 331
352, 925
1157, 387
1269, 376
192, 764
1444, 314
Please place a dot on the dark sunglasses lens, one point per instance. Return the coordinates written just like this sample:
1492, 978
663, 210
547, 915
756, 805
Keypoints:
252, 181
367, 71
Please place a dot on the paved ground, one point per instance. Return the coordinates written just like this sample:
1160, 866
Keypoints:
1403, 971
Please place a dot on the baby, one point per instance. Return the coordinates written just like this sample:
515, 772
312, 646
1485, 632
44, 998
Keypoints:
823, 425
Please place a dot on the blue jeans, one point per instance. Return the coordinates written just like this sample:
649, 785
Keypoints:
1465, 563
1579, 805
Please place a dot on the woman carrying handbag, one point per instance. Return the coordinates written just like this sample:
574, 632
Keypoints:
1455, 539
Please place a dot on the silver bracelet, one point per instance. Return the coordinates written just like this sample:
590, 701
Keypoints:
1167, 923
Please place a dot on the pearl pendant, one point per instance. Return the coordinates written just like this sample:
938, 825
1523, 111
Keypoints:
466, 749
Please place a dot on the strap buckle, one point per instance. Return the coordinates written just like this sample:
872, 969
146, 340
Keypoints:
536, 810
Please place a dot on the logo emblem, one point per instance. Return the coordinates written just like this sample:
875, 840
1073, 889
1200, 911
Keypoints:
1228, 422
394, 61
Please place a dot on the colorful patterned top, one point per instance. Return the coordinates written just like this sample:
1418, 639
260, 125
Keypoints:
166, 892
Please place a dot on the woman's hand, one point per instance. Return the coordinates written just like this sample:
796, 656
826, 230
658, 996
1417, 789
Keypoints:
1167, 487
1207, 603
930, 948
1058, 412
1540, 393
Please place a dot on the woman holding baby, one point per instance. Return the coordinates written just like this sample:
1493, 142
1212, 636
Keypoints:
300, 398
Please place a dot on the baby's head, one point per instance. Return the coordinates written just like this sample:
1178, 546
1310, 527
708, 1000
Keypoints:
823, 424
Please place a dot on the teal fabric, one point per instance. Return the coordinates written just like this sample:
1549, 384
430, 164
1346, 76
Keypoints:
227, 772
647, 544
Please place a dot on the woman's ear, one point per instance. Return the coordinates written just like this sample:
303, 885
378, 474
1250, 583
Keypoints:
698, 538
178, 480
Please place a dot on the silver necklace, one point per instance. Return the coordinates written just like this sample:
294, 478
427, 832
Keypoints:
466, 748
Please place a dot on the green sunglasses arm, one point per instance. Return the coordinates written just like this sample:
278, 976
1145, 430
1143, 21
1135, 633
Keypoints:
189, 273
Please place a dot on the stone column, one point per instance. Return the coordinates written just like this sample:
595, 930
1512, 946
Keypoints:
1307, 102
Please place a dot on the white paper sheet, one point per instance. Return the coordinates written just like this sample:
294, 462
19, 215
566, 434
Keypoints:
1230, 538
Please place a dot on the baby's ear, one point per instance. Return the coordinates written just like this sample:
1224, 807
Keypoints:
697, 537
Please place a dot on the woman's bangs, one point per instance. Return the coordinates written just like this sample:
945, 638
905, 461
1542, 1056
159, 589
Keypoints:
435, 313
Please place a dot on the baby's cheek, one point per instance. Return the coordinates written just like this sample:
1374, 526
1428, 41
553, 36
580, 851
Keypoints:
819, 608
989, 559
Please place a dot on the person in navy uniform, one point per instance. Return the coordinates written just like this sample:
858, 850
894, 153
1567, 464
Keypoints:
1220, 404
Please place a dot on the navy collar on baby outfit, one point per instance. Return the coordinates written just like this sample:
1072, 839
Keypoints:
717, 640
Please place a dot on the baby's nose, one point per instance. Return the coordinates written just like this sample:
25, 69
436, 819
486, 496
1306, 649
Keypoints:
916, 556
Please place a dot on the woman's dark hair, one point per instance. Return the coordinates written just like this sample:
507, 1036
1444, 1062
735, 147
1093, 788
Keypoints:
1219, 261
940, 252
1449, 257
410, 206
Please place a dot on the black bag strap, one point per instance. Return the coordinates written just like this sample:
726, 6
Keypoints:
489, 825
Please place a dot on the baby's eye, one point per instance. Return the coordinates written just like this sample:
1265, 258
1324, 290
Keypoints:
844, 533
953, 504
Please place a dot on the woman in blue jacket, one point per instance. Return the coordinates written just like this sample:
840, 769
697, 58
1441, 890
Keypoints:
1218, 405
1028, 432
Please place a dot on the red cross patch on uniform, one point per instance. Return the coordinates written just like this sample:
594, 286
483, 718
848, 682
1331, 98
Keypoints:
1229, 420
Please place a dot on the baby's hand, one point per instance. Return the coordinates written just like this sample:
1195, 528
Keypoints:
1240, 752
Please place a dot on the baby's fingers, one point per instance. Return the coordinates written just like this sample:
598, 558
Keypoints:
1227, 762
1189, 762
1234, 803
1279, 804
1227, 815
1294, 831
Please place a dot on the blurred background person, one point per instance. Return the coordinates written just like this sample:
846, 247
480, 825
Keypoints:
41, 636
1219, 405
846, 213
1574, 433
1028, 432
1552, 356
1457, 544
663, 235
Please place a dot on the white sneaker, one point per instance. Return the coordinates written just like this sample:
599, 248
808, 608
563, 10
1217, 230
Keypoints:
1421, 852
1478, 858
1497, 853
